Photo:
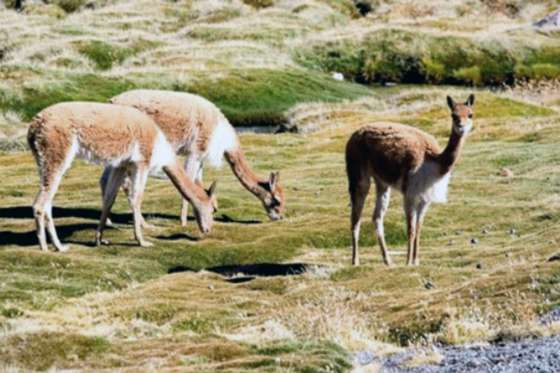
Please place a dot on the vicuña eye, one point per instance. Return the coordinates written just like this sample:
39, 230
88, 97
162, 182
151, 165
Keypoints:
470, 115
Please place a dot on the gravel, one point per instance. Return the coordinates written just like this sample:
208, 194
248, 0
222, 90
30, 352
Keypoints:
529, 355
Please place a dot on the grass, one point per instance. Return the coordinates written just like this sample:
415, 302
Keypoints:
301, 322
411, 56
270, 63
258, 97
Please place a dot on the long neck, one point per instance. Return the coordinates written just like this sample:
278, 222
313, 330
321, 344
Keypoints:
245, 174
451, 153
188, 189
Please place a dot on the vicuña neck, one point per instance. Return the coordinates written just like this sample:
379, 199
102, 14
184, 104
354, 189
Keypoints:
452, 151
188, 189
245, 174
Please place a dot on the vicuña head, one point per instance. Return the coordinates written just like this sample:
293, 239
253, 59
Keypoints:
462, 115
273, 198
405, 158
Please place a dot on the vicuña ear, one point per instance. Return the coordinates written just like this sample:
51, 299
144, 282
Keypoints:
273, 181
450, 103
470, 100
212, 190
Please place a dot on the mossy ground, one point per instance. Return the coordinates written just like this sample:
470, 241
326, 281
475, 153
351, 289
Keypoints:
170, 307
202, 321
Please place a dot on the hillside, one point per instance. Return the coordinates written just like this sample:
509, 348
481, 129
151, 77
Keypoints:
277, 296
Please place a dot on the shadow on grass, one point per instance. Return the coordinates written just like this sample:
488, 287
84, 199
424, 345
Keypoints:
251, 271
26, 212
29, 238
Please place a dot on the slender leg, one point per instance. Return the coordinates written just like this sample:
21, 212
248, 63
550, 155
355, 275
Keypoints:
422, 209
358, 193
193, 168
103, 180
139, 177
39, 214
43, 205
114, 180
411, 216
381, 206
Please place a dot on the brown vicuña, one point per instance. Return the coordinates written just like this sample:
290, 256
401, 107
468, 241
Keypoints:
408, 159
120, 136
195, 127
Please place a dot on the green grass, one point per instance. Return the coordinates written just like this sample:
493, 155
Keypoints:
257, 97
200, 309
403, 56
260, 97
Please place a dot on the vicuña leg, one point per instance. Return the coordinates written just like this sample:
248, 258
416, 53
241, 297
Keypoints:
411, 220
110, 189
42, 207
420, 212
381, 206
193, 168
126, 189
359, 189
138, 176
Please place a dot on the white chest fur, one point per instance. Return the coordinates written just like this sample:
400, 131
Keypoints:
427, 184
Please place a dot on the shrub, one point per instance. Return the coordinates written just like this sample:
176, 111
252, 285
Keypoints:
259, 4
69, 6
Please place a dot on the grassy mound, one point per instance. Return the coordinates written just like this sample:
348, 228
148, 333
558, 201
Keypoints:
405, 56
247, 97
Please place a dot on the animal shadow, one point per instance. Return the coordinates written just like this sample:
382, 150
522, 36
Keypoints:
247, 272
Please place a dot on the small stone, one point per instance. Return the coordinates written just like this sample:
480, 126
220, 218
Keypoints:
512, 231
506, 172
478, 265
451, 242
211, 287
429, 285
338, 76
485, 231
474, 241
317, 194
554, 258
508, 255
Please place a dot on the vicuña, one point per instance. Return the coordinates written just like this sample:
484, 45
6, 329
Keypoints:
409, 160
195, 127
122, 137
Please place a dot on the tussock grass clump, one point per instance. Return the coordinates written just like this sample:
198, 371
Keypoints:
41, 351
86, 87
405, 56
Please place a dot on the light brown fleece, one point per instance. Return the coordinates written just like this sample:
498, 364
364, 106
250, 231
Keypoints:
399, 156
188, 121
119, 135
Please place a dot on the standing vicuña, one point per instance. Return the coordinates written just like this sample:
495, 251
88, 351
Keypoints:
195, 127
120, 136
405, 158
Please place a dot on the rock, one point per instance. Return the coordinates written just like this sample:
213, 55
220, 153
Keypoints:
211, 287
474, 241
554, 258
338, 76
506, 172
364, 357
429, 285
512, 231
478, 265
550, 21
485, 231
